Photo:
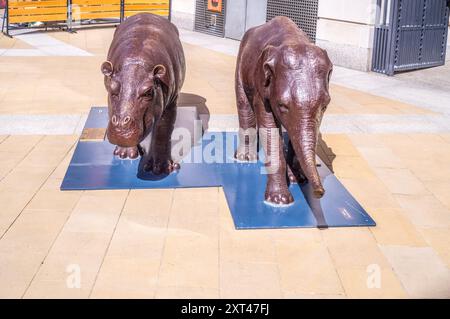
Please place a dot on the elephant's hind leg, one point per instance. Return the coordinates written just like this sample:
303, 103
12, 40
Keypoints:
295, 173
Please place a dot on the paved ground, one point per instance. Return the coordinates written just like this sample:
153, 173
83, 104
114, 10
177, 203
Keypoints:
391, 149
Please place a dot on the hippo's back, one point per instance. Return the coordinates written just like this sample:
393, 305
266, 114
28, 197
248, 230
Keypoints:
139, 21
152, 39
140, 31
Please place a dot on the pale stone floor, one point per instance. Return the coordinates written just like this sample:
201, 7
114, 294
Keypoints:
182, 243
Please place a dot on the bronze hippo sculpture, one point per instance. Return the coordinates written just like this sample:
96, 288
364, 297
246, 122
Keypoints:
282, 80
144, 74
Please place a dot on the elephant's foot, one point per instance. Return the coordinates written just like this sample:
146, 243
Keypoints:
291, 176
246, 153
127, 152
159, 165
295, 176
278, 196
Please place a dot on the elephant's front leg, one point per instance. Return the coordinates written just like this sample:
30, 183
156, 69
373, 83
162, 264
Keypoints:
277, 191
248, 142
160, 159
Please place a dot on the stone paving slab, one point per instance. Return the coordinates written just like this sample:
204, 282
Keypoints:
420, 270
106, 232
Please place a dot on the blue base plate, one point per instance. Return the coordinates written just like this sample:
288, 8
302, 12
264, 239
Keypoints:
244, 188
93, 166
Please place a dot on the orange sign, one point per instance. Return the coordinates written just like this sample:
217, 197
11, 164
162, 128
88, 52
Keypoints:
215, 5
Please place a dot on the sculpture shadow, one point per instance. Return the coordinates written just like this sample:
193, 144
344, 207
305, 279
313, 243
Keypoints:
325, 153
189, 99
192, 111
327, 156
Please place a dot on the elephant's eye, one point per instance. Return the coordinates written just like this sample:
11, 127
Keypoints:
283, 108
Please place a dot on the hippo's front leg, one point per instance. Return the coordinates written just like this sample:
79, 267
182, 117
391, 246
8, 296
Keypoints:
160, 160
126, 152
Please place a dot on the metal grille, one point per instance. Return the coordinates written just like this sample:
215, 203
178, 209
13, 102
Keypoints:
302, 12
409, 34
209, 22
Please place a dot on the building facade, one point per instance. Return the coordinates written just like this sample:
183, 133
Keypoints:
345, 28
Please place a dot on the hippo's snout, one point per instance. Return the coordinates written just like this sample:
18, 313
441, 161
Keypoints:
124, 131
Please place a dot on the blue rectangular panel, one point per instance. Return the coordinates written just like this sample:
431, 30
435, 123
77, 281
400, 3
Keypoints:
97, 118
244, 188
93, 166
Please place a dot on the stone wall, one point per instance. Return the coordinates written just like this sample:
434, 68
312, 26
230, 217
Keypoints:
183, 13
345, 29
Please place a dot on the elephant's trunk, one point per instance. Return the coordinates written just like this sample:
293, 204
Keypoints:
305, 143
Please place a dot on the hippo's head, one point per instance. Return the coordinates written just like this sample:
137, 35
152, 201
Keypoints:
294, 83
135, 100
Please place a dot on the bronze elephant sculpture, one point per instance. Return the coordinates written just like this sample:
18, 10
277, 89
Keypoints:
144, 74
282, 80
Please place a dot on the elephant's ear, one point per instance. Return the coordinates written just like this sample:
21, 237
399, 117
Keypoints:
160, 73
268, 61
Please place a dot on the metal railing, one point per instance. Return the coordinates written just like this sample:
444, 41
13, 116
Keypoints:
65, 14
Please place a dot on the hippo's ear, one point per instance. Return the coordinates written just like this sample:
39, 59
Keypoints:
159, 72
268, 62
107, 68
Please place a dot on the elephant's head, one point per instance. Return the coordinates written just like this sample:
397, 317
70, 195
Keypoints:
294, 82
135, 100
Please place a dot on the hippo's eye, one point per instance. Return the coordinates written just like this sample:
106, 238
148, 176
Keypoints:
283, 108
148, 94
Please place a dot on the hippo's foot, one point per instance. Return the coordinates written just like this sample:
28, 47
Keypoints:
279, 196
126, 152
160, 166
244, 153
